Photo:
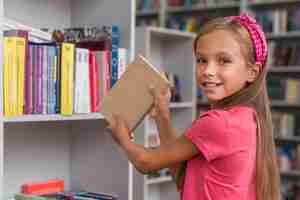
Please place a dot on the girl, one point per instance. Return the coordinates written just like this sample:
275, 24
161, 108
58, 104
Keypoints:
228, 152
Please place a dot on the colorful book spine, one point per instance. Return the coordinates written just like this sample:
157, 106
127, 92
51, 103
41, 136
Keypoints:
21, 34
28, 107
20, 62
58, 79
94, 82
38, 84
81, 96
7, 79
51, 79
114, 54
45, 79
67, 77
122, 61
107, 68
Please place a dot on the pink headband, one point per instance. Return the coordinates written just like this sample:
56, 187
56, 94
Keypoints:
256, 34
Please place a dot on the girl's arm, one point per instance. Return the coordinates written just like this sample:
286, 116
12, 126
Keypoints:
149, 160
161, 114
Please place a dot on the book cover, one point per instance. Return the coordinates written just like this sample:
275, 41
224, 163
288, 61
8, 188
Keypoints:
130, 97
94, 82
22, 56
45, 79
8, 56
67, 78
114, 53
82, 93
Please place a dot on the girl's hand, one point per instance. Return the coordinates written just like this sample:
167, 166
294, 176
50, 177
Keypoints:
119, 129
162, 98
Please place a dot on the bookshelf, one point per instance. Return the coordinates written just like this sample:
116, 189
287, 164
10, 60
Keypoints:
285, 71
170, 51
74, 148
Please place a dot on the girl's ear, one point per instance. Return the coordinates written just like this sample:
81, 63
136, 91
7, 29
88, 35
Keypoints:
253, 72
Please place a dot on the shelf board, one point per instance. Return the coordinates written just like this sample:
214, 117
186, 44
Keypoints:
203, 8
287, 140
164, 179
290, 35
284, 105
170, 34
54, 117
284, 71
147, 13
181, 105
268, 4
293, 174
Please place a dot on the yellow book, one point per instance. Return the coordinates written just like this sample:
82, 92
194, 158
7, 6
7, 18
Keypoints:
10, 76
20, 63
67, 77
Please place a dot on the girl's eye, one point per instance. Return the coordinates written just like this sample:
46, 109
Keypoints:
200, 60
224, 61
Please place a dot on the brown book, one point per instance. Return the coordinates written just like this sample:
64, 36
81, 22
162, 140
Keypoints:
130, 97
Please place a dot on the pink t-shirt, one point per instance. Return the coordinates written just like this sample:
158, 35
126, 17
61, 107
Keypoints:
225, 169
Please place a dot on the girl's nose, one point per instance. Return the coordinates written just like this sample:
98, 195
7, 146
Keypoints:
210, 70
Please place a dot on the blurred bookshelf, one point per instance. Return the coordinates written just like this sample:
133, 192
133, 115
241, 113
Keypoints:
280, 20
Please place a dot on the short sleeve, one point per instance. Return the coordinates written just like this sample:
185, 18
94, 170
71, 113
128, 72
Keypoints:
209, 134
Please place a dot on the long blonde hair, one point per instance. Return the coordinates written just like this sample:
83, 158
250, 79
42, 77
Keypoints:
255, 96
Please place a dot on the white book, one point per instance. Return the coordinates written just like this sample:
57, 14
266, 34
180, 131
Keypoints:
35, 34
81, 82
122, 61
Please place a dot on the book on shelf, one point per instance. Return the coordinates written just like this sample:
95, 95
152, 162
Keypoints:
42, 77
130, 97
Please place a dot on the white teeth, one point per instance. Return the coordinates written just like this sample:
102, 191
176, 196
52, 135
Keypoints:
210, 85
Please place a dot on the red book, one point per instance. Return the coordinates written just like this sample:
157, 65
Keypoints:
94, 82
51, 186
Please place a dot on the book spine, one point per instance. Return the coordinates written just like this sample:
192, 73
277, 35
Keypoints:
94, 82
58, 79
107, 70
45, 79
77, 80
67, 78
20, 62
86, 82
7, 70
122, 61
39, 81
114, 53
51, 80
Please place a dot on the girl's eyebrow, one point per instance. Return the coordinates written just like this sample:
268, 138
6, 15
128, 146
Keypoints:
220, 53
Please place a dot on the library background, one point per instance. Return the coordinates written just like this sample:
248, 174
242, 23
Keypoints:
59, 59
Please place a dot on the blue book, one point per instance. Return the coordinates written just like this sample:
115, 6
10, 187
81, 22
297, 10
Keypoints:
115, 35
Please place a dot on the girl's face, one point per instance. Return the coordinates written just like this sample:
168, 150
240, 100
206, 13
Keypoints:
221, 66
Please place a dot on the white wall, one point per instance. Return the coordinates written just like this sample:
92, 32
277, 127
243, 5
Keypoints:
43, 13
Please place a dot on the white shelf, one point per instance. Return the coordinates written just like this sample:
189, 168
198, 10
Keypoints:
54, 117
165, 179
170, 34
273, 3
181, 105
287, 35
232, 5
147, 13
